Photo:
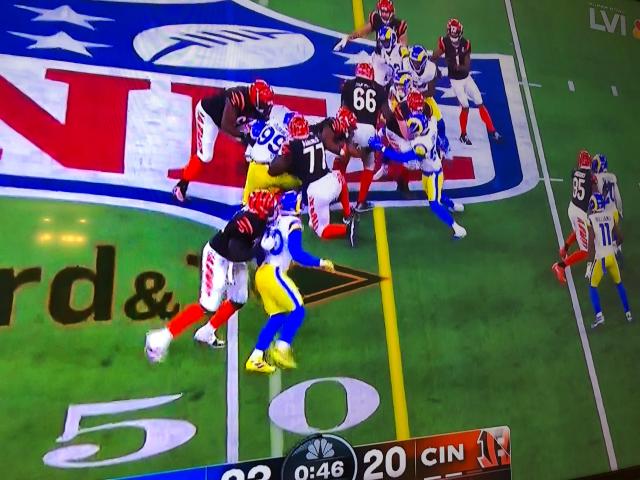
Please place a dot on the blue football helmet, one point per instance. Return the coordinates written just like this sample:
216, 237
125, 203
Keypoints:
417, 124
290, 202
597, 203
401, 84
599, 163
388, 38
418, 58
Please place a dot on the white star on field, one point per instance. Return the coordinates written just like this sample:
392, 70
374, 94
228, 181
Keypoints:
63, 13
60, 40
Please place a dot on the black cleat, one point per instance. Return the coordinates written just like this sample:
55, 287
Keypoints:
465, 139
365, 206
180, 191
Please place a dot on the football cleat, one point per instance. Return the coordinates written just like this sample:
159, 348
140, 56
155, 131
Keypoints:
365, 206
559, 271
282, 356
457, 208
464, 138
256, 363
495, 136
458, 231
628, 316
599, 320
207, 335
180, 191
157, 345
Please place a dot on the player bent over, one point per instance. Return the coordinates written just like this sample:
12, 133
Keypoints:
226, 111
305, 158
603, 227
267, 140
457, 52
582, 185
281, 298
422, 148
223, 274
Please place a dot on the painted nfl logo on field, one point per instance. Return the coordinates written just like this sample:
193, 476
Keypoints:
235, 47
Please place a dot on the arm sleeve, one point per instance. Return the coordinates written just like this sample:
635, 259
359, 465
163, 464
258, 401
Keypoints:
297, 252
401, 157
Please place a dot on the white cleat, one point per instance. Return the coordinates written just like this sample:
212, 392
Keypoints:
458, 231
207, 335
628, 316
457, 208
599, 320
157, 345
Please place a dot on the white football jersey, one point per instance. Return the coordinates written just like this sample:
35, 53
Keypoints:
602, 224
397, 59
608, 187
425, 147
280, 256
271, 138
421, 82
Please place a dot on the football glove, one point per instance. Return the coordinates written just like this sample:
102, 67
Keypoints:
375, 144
327, 265
341, 44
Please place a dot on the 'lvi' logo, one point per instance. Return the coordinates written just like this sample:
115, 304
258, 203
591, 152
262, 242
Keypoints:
612, 22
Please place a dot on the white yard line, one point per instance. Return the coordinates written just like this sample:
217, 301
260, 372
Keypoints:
277, 436
535, 85
553, 179
572, 87
613, 463
233, 419
614, 90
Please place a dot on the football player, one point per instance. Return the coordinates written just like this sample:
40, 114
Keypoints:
280, 296
394, 57
603, 227
457, 52
304, 157
223, 274
582, 182
424, 75
423, 134
606, 183
267, 141
382, 16
228, 111
366, 99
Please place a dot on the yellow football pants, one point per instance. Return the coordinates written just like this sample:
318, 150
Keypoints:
258, 178
608, 263
279, 293
432, 183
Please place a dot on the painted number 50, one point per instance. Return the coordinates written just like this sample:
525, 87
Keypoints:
161, 434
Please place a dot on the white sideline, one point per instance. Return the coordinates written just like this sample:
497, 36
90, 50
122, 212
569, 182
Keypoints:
613, 463
233, 420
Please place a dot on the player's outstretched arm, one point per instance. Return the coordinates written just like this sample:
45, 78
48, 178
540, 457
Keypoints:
298, 253
363, 31
389, 152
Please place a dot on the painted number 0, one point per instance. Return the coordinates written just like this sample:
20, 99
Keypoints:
287, 410
161, 434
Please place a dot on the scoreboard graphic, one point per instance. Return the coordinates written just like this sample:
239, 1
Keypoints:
475, 454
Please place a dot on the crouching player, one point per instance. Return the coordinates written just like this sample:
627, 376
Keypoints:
603, 227
423, 149
268, 140
282, 300
223, 274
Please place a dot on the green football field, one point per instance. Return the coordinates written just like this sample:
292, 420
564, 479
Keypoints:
487, 336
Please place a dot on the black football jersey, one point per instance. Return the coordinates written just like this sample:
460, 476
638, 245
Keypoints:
455, 55
364, 98
400, 26
237, 240
308, 160
581, 188
240, 100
